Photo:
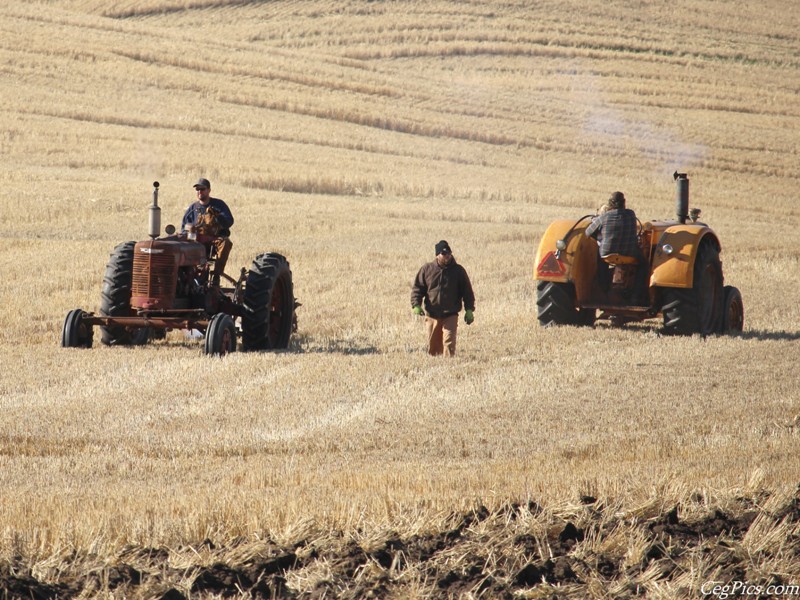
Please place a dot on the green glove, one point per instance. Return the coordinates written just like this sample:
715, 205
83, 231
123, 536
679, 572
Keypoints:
469, 317
417, 310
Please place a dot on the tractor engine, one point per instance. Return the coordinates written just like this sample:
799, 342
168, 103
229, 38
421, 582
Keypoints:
165, 274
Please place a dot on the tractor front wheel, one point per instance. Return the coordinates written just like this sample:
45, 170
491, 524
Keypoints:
733, 310
76, 333
556, 305
220, 335
268, 304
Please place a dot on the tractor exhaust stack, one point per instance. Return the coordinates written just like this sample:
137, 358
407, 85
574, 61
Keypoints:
155, 214
681, 196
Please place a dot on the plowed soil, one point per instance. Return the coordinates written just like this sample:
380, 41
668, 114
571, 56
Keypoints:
514, 551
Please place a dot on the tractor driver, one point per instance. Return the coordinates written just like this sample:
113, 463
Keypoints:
211, 216
615, 230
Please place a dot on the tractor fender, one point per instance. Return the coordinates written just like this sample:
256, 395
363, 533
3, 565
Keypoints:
677, 269
577, 263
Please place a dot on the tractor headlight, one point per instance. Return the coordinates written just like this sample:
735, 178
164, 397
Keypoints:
561, 245
667, 249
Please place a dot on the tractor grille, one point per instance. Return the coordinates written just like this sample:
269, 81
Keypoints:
153, 276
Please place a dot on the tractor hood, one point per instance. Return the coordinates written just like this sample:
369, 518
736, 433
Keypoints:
155, 270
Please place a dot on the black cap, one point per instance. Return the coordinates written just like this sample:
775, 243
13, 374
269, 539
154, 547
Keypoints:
202, 182
443, 248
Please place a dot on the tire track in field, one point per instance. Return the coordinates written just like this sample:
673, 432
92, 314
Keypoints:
323, 80
405, 114
315, 102
144, 123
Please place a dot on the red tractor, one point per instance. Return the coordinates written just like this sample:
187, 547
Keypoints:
164, 283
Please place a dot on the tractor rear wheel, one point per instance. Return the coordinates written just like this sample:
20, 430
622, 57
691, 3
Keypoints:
268, 304
115, 299
220, 335
699, 308
556, 305
76, 333
733, 310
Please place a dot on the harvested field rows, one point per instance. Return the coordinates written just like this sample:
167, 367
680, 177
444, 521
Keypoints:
351, 137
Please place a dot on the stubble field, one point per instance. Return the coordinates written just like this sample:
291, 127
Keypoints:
351, 137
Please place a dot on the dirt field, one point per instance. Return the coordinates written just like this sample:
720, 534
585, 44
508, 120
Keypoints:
517, 550
351, 137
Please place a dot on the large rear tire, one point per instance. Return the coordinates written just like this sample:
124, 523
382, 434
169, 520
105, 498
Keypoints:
556, 305
697, 309
115, 299
268, 304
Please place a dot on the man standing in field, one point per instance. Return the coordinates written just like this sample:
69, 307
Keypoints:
443, 285
212, 217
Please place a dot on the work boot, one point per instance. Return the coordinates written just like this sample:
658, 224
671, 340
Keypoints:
618, 320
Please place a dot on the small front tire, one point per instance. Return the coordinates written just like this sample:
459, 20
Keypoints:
733, 310
220, 335
76, 332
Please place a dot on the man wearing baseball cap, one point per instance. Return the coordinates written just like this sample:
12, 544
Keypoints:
211, 217
442, 285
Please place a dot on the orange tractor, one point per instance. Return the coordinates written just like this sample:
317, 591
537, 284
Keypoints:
682, 258
165, 283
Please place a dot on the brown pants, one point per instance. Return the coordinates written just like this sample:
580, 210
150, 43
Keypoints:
441, 335
223, 247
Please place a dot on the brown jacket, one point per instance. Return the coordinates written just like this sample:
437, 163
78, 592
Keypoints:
442, 289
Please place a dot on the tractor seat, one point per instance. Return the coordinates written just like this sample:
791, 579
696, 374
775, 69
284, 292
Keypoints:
620, 259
